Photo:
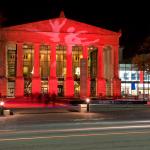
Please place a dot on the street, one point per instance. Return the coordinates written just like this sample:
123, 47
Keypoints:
127, 130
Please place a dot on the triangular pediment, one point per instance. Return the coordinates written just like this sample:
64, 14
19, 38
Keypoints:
61, 25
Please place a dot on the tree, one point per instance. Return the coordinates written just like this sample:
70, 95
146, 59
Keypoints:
142, 60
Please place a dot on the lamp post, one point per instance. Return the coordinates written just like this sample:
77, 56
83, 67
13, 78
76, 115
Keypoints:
1, 107
88, 104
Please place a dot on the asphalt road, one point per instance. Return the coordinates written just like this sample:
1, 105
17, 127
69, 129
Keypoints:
60, 130
79, 136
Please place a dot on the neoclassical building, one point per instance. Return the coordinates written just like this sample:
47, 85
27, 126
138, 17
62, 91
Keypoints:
60, 56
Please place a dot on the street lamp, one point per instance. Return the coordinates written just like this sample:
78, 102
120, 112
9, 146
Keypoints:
1, 107
2, 104
88, 103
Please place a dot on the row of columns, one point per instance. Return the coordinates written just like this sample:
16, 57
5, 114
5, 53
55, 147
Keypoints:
69, 81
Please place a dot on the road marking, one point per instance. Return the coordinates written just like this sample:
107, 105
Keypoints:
73, 135
5, 130
80, 129
107, 122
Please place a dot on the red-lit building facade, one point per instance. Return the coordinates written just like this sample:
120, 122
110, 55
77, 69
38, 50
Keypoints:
60, 56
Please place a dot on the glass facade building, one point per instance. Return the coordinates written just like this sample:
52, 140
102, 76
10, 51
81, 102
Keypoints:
133, 81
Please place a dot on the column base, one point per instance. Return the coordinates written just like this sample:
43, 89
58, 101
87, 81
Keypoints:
19, 91
116, 87
36, 85
3, 87
53, 86
101, 87
84, 93
69, 87
88, 86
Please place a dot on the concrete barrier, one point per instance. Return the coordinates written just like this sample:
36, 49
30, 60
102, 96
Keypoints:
83, 107
106, 107
7, 112
78, 108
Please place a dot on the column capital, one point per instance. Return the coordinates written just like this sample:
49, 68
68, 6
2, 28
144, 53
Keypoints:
52, 44
36, 43
115, 45
19, 43
69, 45
101, 45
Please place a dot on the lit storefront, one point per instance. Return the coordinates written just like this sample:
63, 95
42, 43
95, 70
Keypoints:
133, 81
59, 56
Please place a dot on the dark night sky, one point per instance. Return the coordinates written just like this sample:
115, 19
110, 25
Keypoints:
131, 17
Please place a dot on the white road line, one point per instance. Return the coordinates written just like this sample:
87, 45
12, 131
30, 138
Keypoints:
72, 135
80, 129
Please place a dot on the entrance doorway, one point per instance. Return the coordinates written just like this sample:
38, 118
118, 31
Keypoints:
93, 69
60, 90
60, 87
77, 88
93, 87
11, 89
44, 86
27, 87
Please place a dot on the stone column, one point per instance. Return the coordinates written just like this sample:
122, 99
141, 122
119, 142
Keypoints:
52, 78
19, 89
3, 79
116, 80
69, 82
101, 82
87, 77
36, 80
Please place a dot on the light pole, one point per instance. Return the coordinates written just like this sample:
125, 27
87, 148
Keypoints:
1, 107
88, 104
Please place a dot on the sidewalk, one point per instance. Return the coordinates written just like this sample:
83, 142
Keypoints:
62, 105
32, 105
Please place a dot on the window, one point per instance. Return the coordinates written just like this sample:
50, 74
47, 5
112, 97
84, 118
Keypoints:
10, 88
61, 61
133, 76
28, 60
11, 60
92, 61
76, 56
44, 61
126, 76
